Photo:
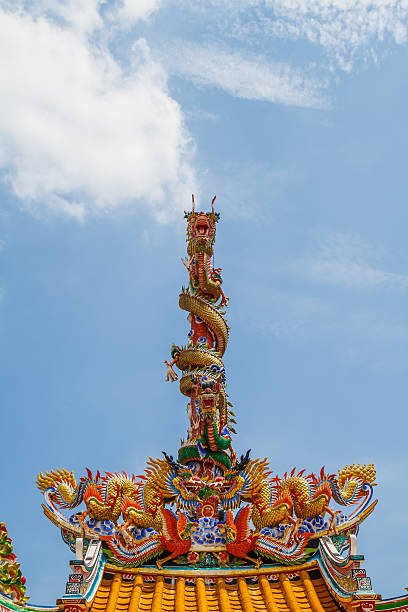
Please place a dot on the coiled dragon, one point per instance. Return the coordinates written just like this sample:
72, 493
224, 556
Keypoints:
203, 374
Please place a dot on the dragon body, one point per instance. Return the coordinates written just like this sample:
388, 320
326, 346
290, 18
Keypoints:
309, 496
203, 374
103, 495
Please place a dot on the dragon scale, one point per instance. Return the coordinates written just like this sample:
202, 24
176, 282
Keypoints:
200, 362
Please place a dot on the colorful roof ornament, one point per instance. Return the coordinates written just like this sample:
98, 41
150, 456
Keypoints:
207, 512
12, 582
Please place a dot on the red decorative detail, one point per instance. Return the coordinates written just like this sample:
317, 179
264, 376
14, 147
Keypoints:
73, 608
173, 529
200, 330
223, 557
292, 575
209, 507
367, 606
244, 539
193, 557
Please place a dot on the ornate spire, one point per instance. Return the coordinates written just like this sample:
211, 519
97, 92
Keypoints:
207, 449
293, 517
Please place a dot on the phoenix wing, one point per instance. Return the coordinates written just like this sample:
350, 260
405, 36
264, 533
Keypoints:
170, 530
242, 523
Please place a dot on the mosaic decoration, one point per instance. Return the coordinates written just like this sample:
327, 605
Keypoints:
12, 582
207, 507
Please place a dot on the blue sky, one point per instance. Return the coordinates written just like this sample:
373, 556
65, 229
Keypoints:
111, 115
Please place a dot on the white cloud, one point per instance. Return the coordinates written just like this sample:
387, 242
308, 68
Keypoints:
346, 29
77, 134
81, 133
343, 27
82, 16
130, 11
246, 76
346, 261
86, 16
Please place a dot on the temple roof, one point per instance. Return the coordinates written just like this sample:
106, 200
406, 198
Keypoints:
209, 530
290, 591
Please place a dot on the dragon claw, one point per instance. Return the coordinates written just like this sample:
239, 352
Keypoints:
294, 532
333, 523
258, 563
125, 535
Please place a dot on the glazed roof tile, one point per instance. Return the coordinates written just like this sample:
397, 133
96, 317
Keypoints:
306, 592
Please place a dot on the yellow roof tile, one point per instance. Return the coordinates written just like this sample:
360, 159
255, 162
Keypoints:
303, 592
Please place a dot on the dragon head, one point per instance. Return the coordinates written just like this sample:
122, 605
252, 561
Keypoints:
201, 228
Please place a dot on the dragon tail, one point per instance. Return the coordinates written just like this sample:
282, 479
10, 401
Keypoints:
66, 491
349, 487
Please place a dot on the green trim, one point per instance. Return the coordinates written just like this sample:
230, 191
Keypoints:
7, 603
398, 602
190, 453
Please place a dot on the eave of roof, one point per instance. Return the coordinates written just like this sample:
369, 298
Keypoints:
300, 589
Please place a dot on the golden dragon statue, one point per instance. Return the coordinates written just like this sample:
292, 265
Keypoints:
275, 501
200, 362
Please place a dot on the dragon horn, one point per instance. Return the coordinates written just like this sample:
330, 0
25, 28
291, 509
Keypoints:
240, 465
192, 197
212, 204
172, 463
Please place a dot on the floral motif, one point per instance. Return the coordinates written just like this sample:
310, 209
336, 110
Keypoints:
223, 557
193, 557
